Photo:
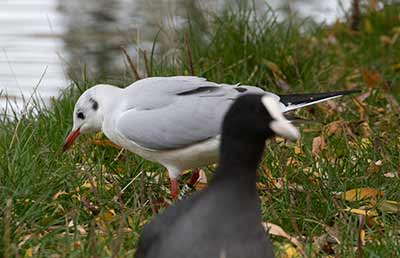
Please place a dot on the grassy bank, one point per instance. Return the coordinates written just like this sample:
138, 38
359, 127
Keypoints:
93, 200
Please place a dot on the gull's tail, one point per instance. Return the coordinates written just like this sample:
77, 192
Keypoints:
295, 101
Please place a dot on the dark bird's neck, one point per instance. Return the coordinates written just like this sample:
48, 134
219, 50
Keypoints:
239, 159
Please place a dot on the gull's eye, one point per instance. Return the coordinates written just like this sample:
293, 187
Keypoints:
80, 115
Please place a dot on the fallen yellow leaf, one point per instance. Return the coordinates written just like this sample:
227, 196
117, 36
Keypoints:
88, 184
28, 252
361, 194
396, 67
108, 215
368, 213
278, 231
298, 150
361, 235
288, 251
368, 26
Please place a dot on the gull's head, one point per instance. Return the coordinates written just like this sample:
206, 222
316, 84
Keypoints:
88, 113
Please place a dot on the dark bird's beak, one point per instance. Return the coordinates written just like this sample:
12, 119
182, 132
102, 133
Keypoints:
71, 138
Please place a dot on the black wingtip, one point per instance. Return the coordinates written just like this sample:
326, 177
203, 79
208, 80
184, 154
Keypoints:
294, 99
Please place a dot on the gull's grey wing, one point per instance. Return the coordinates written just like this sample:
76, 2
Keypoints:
164, 113
156, 92
184, 121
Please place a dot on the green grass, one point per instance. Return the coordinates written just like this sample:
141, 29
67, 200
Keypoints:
55, 204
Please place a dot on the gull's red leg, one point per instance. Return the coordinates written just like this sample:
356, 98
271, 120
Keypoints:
174, 188
195, 176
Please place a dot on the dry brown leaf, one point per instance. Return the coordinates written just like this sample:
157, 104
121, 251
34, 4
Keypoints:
58, 194
334, 233
292, 162
365, 129
106, 143
283, 85
333, 106
281, 183
389, 206
335, 127
374, 167
81, 230
278, 231
361, 194
202, 181
267, 172
200, 186
385, 40
320, 243
364, 95
390, 175
371, 77
373, 221
396, 30
318, 145
25, 238
361, 108
77, 244
275, 69
261, 186
202, 177
373, 4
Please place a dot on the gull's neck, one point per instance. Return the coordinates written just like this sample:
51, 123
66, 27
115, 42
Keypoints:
109, 98
109, 101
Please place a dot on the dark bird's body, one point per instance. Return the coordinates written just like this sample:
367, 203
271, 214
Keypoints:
224, 220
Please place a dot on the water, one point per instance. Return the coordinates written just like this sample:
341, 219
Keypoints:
29, 47
44, 40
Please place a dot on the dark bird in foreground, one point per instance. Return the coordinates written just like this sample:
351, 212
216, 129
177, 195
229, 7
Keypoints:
224, 220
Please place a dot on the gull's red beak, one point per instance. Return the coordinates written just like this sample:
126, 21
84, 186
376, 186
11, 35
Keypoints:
70, 139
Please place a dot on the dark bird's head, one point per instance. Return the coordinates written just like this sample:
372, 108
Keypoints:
257, 117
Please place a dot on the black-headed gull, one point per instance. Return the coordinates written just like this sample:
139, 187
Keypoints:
224, 220
175, 121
